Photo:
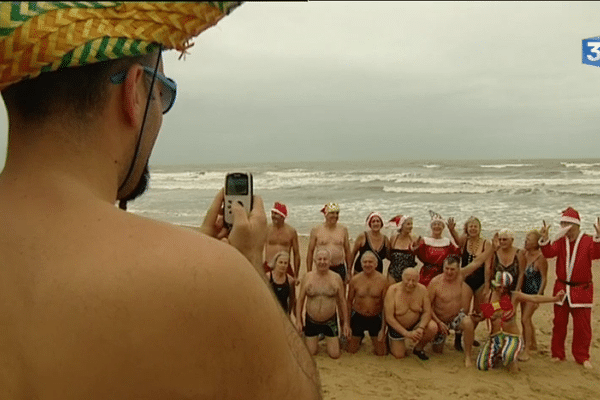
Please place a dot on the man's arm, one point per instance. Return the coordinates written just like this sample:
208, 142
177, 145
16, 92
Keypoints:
312, 243
347, 252
343, 307
351, 293
300, 303
431, 294
296, 250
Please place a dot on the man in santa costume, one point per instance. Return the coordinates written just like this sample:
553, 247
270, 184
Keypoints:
574, 251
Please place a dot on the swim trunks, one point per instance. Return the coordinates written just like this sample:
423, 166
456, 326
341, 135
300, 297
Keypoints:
394, 335
452, 325
340, 269
328, 328
360, 323
504, 347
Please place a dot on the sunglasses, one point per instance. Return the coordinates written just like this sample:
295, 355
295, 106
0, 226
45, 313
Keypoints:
168, 90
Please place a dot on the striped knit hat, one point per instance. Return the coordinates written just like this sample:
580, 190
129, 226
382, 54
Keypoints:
37, 37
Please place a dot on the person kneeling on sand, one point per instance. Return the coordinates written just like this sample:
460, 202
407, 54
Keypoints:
366, 292
408, 315
324, 293
450, 300
505, 341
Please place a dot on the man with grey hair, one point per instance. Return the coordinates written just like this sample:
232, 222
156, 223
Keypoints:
366, 292
325, 296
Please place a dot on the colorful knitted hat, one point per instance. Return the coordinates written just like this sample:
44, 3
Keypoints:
37, 37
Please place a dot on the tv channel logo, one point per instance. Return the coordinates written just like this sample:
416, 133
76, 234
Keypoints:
590, 51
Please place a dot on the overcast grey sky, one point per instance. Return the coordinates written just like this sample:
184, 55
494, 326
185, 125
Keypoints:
384, 81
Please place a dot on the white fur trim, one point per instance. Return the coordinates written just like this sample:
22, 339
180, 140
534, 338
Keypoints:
570, 220
543, 242
596, 239
442, 242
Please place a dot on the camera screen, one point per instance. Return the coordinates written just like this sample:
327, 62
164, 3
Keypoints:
237, 185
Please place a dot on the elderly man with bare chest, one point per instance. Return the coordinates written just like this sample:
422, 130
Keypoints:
281, 237
366, 293
408, 315
333, 237
450, 300
325, 295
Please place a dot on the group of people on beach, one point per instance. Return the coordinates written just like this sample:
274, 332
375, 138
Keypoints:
463, 280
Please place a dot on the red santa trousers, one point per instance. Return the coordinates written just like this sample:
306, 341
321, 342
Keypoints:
582, 331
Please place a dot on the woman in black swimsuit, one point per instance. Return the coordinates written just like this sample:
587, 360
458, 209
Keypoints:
507, 258
282, 283
471, 244
371, 240
534, 282
400, 253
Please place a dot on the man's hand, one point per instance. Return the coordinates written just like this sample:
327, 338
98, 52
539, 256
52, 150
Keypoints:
560, 295
544, 231
248, 233
381, 335
443, 328
416, 334
346, 331
213, 224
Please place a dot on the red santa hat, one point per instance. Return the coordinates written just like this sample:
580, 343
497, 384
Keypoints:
398, 221
373, 215
571, 216
280, 208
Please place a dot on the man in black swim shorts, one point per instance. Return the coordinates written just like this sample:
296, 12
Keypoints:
325, 297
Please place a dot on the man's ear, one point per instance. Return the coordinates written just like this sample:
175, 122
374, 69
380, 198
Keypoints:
134, 96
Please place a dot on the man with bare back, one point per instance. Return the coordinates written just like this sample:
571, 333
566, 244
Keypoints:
282, 237
366, 292
333, 237
324, 293
450, 301
408, 315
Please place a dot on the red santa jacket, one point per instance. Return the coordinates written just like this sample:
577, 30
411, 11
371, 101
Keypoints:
434, 251
574, 267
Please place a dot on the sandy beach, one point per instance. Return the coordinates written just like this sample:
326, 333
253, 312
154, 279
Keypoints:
365, 376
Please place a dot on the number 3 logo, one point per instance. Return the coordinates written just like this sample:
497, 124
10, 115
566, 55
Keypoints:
594, 49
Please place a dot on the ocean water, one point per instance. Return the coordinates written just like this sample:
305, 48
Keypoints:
503, 194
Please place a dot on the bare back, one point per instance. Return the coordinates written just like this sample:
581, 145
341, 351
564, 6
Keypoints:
97, 303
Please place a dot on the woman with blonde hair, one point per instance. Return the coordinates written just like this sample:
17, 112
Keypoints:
282, 283
534, 282
400, 254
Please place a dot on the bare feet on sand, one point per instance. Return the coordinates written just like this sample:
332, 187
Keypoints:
555, 359
523, 357
587, 364
468, 362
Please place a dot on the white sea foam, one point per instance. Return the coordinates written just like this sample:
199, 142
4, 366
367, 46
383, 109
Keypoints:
500, 166
580, 165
